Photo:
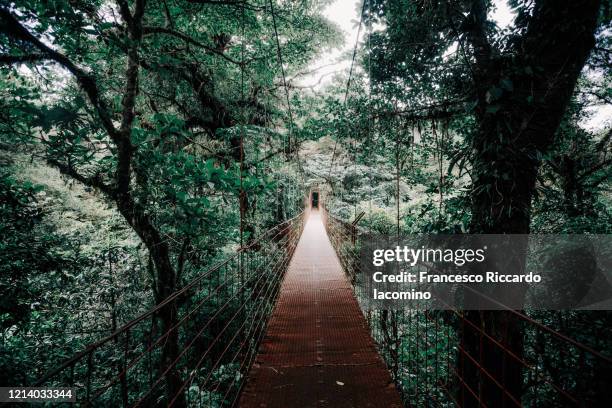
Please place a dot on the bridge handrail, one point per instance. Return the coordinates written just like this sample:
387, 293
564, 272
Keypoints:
523, 316
350, 234
79, 355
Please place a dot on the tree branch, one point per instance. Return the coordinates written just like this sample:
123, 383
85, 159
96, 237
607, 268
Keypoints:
11, 26
128, 102
92, 181
18, 59
599, 166
189, 40
237, 3
436, 111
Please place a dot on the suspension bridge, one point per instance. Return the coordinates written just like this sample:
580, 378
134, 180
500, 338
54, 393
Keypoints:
317, 350
278, 324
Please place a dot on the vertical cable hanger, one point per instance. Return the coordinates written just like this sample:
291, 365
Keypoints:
397, 181
348, 82
369, 124
242, 196
354, 148
282, 67
345, 101
295, 146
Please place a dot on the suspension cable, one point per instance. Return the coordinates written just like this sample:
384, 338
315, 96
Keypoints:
279, 55
420, 365
242, 197
369, 127
348, 82
269, 235
289, 110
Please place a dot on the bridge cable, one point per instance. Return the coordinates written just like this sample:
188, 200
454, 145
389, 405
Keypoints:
348, 82
243, 198
289, 110
370, 134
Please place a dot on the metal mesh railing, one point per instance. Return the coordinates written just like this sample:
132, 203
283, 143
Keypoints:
504, 358
201, 360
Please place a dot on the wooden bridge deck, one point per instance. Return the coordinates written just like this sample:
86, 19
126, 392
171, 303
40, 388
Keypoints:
317, 351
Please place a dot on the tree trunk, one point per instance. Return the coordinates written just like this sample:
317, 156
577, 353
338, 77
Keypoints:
166, 285
514, 130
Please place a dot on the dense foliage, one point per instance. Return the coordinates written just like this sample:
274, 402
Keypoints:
142, 142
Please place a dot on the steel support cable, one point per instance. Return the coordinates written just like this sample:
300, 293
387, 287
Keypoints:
253, 355
369, 126
242, 195
271, 287
348, 82
167, 333
252, 321
210, 347
275, 269
460, 378
289, 110
94, 346
215, 291
208, 323
275, 262
127, 326
297, 234
523, 362
204, 355
188, 346
514, 356
258, 329
134, 361
530, 320
447, 392
163, 336
502, 348
445, 389
482, 369
215, 365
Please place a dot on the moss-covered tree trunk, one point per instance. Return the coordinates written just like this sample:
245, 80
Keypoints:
521, 101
